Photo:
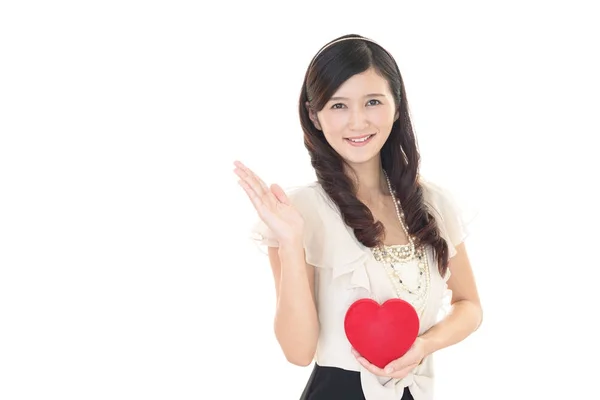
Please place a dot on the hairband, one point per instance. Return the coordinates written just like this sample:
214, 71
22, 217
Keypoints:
343, 39
348, 38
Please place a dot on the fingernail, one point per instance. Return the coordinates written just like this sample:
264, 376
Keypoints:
389, 370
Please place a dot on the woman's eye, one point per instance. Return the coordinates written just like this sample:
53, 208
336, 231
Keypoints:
337, 106
373, 102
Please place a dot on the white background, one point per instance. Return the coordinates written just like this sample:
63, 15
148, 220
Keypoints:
126, 268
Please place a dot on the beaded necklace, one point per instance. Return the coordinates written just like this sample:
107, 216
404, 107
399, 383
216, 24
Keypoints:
396, 257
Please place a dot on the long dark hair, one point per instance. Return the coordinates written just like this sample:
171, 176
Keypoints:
399, 156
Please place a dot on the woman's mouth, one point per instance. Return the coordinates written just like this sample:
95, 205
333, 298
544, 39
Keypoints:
359, 140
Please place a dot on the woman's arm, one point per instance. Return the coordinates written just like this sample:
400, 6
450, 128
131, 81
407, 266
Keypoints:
464, 319
466, 314
296, 321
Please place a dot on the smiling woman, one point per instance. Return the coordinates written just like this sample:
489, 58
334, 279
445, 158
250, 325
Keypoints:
370, 228
353, 118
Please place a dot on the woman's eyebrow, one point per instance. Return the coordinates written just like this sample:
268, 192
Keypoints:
368, 95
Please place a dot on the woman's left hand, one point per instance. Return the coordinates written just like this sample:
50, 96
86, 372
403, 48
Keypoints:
400, 367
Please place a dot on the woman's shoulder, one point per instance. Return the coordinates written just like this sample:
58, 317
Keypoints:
432, 189
451, 213
304, 192
438, 196
310, 198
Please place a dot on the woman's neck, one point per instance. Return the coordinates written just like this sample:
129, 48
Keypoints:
370, 182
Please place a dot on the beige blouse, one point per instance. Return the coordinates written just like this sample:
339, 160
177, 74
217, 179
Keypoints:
346, 270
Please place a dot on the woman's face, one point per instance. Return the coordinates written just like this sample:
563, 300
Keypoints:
358, 118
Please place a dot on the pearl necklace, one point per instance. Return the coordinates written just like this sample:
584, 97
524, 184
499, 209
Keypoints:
393, 258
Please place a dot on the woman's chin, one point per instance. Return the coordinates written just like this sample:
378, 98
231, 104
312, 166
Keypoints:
361, 159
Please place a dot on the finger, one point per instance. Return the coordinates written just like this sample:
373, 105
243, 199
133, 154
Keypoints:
393, 367
370, 367
280, 194
252, 178
403, 372
398, 364
262, 184
256, 200
254, 189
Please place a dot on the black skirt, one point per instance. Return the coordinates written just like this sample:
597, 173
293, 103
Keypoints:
330, 383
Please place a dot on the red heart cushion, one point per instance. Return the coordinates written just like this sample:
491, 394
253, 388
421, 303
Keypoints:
381, 333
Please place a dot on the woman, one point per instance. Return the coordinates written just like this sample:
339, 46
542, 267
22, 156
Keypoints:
370, 227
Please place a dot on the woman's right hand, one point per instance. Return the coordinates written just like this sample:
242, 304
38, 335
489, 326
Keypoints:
273, 206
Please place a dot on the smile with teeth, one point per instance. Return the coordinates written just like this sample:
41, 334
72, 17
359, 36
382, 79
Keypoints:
360, 140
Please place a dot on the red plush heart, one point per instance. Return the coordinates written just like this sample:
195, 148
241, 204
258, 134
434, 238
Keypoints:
381, 333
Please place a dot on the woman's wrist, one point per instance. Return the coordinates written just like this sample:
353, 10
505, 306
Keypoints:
291, 248
429, 345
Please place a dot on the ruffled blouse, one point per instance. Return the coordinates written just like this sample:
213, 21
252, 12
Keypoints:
346, 270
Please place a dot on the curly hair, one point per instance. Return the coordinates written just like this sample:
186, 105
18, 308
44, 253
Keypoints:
400, 157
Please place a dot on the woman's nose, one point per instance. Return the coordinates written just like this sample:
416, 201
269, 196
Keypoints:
358, 120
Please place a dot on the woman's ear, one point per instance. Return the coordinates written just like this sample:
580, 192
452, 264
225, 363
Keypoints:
313, 116
397, 115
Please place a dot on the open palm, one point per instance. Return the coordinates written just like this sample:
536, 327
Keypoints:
272, 205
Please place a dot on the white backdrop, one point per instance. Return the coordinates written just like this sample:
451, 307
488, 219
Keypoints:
126, 271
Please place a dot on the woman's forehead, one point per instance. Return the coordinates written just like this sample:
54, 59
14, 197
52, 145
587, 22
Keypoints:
364, 84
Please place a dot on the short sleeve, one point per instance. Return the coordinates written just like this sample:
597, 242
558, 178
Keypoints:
306, 200
452, 217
